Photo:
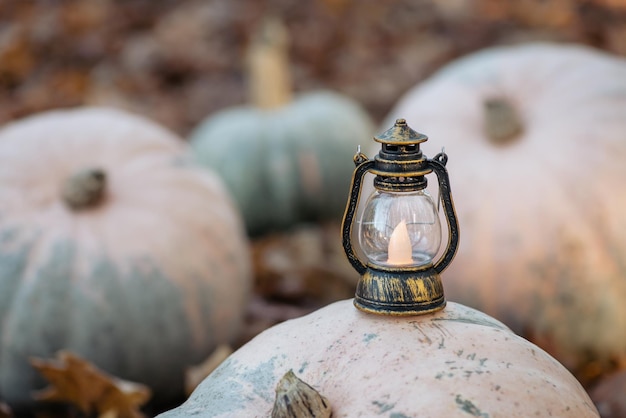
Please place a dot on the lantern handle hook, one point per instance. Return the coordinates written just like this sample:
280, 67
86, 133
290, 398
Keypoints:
442, 157
359, 157
363, 166
437, 164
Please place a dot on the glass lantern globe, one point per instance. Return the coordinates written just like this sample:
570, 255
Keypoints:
400, 229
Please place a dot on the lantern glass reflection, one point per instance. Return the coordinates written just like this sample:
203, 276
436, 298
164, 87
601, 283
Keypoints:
400, 229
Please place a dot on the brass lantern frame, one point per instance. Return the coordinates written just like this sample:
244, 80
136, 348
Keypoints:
400, 166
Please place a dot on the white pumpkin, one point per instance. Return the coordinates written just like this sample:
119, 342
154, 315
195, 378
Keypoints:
536, 139
457, 362
113, 246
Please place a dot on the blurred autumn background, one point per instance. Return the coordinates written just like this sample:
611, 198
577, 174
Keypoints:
178, 61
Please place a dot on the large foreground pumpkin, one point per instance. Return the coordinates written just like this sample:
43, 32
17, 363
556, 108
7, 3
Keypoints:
457, 362
114, 247
538, 135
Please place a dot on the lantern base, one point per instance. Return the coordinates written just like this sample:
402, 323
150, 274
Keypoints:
400, 293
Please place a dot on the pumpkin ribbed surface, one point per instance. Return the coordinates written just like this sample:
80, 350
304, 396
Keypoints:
457, 362
142, 278
536, 136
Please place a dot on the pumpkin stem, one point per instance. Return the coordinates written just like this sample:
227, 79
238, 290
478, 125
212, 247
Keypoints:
296, 399
84, 189
268, 66
502, 122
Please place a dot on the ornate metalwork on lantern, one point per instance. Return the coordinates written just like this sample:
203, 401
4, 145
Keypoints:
399, 231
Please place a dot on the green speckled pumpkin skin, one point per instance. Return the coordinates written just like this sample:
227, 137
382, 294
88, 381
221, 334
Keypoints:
457, 362
285, 165
143, 285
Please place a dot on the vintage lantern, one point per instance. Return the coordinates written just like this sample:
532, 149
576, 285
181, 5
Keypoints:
399, 230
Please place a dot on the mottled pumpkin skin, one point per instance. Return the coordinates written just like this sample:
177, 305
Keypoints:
543, 218
457, 362
144, 284
285, 165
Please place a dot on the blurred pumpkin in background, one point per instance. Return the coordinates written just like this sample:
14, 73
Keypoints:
536, 135
113, 246
285, 160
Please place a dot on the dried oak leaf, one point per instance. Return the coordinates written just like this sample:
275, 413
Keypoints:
78, 382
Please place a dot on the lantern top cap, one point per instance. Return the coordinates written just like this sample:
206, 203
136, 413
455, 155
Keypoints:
400, 134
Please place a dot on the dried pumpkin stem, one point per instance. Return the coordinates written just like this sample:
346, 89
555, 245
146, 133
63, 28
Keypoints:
296, 399
84, 189
268, 66
502, 122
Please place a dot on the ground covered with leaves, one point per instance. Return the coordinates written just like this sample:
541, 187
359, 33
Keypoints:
177, 61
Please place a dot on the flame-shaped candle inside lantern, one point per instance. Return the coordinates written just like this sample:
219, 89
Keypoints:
400, 251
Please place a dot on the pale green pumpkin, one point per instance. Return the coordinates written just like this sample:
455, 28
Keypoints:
285, 161
113, 246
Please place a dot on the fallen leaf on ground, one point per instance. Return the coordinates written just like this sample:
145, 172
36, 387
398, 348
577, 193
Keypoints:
78, 382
